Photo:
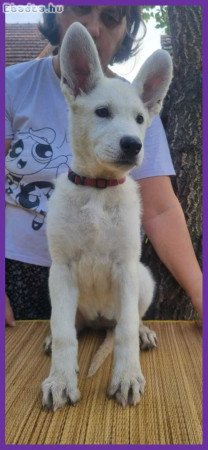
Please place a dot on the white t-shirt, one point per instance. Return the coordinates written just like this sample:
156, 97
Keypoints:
37, 119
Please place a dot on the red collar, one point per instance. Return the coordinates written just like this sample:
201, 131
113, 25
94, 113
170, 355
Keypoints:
100, 183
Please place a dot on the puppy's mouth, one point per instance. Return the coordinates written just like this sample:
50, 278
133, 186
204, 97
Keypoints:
130, 162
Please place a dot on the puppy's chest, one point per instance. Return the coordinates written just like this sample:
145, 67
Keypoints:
97, 219
102, 225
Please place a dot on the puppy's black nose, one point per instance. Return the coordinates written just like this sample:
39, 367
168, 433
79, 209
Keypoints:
130, 145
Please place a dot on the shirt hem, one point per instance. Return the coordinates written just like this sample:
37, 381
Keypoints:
151, 175
27, 259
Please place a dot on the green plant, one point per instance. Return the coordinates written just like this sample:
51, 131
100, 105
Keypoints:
159, 13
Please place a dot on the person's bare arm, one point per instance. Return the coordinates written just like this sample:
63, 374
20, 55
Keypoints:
165, 225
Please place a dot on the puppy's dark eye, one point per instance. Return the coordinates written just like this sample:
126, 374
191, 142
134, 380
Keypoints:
140, 118
103, 112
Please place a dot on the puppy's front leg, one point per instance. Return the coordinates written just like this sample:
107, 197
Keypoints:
127, 380
61, 385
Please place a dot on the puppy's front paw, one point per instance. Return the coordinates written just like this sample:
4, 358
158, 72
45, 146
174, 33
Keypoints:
147, 338
59, 390
127, 387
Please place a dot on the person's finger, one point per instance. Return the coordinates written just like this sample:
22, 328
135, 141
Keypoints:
9, 317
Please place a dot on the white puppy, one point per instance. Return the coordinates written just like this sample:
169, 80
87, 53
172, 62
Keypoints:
94, 217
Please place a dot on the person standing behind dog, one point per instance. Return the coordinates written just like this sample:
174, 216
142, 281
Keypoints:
38, 150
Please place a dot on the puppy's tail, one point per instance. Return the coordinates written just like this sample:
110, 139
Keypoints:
104, 350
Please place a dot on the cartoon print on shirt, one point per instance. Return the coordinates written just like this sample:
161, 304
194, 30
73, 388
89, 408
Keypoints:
66, 140
22, 163
30, 196
40, 149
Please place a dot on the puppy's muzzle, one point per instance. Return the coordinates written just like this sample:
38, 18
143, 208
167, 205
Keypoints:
130, 147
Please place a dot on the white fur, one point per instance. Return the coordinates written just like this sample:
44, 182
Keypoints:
94, 234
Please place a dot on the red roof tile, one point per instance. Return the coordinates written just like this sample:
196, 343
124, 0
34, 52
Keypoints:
24, 42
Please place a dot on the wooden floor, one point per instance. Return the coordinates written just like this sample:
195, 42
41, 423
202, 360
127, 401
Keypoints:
170, 411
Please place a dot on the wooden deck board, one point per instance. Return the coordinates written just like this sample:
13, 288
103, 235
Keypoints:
170, 411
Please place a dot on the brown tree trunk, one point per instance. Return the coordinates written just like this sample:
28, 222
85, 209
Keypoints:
181, 117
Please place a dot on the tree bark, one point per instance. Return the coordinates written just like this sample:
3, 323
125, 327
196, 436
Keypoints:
181, 117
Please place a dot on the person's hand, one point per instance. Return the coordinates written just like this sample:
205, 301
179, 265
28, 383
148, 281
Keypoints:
9, 316
196, 295
197, 302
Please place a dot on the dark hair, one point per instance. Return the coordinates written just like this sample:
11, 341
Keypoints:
130, 45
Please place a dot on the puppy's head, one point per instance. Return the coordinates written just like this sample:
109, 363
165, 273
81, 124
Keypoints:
109, 117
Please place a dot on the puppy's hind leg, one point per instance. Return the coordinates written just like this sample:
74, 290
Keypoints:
147, 337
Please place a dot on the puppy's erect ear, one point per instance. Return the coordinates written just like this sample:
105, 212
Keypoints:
153, 80
79, 61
